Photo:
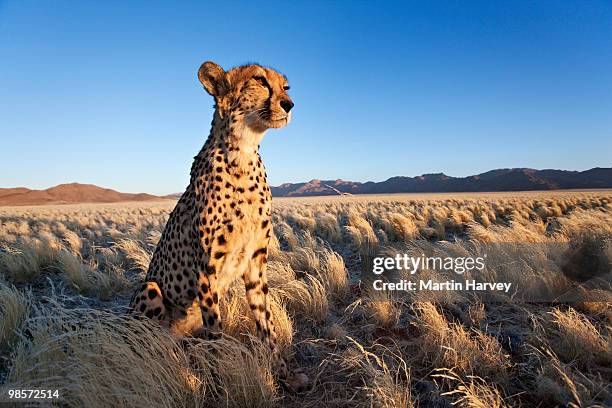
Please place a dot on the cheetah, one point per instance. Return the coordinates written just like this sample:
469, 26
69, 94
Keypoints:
220, 228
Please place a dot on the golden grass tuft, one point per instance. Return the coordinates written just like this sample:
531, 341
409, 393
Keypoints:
450, 345
20, 263
383, 310
575, 338
73, 242
305, 298
14, 309
334, 274
385, 378
87, 280
474, 392
137, 256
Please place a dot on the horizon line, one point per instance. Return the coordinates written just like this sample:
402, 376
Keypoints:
305, 182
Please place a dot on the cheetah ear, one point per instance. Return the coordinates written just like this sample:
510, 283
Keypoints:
214, 79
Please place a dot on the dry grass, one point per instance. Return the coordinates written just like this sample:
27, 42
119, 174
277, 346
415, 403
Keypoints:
382, 309
14, 308
306, 298
98, 359
453, 346
88, 280
66, 275
334, 274
137, 256
385, 379
473, 392
577, 340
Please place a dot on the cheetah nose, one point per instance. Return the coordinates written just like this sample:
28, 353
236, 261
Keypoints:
286, 105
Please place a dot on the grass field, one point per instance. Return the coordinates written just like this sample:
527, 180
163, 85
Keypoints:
67, 273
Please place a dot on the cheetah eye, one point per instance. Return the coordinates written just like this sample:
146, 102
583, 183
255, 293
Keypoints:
286, 87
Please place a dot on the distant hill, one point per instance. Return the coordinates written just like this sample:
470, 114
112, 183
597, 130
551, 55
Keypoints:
68, 194
521, 179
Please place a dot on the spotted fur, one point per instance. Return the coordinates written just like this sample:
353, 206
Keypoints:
220, 228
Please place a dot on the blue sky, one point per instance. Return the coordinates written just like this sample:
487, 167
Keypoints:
106, 92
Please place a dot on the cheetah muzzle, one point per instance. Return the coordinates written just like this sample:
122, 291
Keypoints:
221, 227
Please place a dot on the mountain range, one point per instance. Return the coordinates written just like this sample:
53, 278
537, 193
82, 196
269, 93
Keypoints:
520, 179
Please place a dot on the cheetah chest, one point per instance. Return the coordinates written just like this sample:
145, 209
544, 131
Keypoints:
245, 230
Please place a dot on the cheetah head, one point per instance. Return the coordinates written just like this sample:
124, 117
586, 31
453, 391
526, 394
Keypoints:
252, 93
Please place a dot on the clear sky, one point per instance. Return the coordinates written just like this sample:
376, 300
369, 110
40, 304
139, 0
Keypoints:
106, 92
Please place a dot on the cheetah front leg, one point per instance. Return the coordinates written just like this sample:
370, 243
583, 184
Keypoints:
208, 296
256, 286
